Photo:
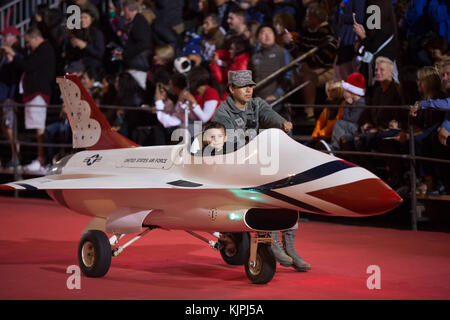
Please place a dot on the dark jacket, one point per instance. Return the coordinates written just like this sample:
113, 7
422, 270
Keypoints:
9, 76
138, 45
94, 49
257, 115
265, 62
92, 55
169, 13
380, 118
39, 72
376, 37
347, 36
324, 38
345, 25
354, 114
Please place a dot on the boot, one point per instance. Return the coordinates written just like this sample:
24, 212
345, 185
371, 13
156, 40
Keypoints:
278, 251
289, 246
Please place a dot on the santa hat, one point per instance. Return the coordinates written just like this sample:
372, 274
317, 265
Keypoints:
355, 83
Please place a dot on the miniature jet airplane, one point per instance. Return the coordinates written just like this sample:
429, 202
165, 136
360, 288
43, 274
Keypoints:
126, 187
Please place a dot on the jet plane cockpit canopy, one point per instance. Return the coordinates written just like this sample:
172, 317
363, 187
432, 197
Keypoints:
236, 139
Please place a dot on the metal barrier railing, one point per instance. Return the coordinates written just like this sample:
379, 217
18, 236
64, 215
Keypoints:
285, 68
288, 67
412, 157
293, 91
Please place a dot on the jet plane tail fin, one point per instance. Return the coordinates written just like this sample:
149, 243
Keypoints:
90, 129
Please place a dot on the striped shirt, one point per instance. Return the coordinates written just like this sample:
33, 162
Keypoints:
308, 40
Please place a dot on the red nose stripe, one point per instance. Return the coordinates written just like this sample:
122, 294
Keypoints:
5, 187
365, 197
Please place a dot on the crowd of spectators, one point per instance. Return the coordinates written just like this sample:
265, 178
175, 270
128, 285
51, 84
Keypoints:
173, 55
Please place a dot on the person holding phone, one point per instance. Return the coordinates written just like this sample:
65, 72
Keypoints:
351, 12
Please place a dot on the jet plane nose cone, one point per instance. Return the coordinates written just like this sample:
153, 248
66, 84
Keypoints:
365, 197
390, 199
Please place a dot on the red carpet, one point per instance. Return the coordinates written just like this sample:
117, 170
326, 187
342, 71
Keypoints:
39, 241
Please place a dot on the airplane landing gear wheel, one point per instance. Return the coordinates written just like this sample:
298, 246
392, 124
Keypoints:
94, 253
263, 270
235, 248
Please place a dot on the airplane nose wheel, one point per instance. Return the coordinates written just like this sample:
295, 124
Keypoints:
88, 254
261, 265
254, 268
94, 253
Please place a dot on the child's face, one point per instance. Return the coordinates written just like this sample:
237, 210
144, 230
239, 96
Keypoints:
331, 93
215, 137
350, 97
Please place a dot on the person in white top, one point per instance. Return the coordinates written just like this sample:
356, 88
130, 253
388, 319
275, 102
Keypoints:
200, 101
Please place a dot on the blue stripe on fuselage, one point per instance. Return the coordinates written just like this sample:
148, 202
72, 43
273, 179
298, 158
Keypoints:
309, 175
312, 174
27, 186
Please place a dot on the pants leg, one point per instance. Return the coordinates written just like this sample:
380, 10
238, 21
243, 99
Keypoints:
278, 250
289, 245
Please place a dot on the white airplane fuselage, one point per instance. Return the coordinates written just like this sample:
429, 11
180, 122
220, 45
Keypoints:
261, 186
214, 193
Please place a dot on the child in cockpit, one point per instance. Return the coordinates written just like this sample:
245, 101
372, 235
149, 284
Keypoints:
211, 141
214, 138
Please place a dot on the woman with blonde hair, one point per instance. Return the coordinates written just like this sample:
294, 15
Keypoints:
429, 83
430, 87
164, 54
441, 139
162, 63
329, 116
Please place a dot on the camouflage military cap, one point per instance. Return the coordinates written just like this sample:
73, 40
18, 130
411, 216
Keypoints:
240, 78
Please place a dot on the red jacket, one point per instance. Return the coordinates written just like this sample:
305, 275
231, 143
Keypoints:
208, 95
240, 62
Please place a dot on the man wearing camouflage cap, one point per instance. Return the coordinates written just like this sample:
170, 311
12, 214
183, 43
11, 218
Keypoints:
241, 112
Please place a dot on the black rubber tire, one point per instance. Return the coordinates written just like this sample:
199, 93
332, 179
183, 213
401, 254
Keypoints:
265, 267
97, 253
242, 243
